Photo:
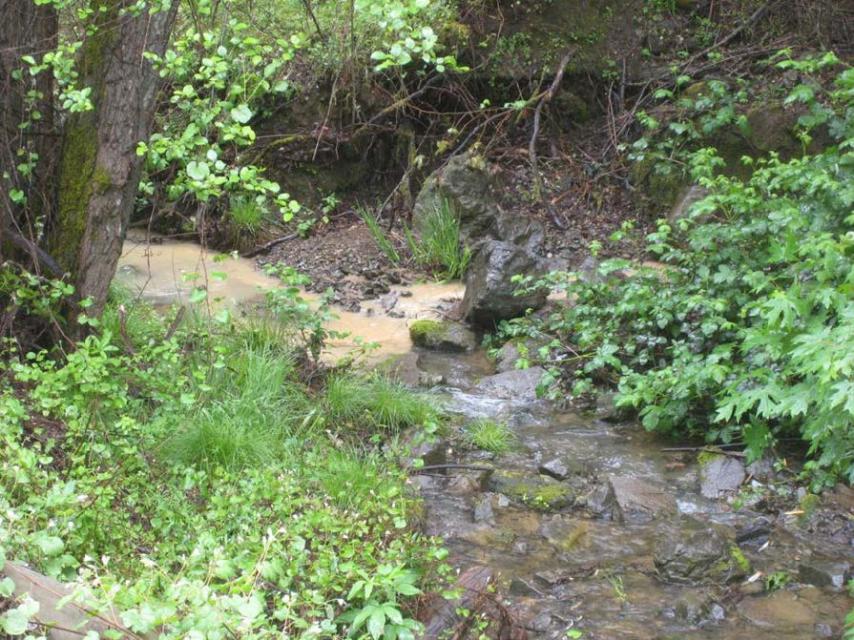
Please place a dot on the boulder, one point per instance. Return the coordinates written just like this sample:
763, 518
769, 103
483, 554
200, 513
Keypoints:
490, 292
467, 185
442, 335
720, 474
703, 555
519, 384
636, 501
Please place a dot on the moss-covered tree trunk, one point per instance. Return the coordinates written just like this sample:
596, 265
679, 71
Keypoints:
99, 169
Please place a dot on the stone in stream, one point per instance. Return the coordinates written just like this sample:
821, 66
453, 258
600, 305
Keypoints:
833, 574
720, 474
781, 610
537, 492
483, 511
490, 291
706, 555
442, 335
519, 385
637, 501
556, 468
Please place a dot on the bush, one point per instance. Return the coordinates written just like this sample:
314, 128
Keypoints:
747, 331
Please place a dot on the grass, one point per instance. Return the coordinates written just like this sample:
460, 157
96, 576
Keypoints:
375, 402
439, 246
251, 406
382, 240
245, 213
489, 435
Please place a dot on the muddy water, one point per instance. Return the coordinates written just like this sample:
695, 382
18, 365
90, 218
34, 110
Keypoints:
578, 567
166, 271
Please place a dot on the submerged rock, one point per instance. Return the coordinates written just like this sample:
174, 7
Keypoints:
720, 474
825, 573
490, 292
781, 610
701, 556
556, 468
636, 501
537, 492
442, 335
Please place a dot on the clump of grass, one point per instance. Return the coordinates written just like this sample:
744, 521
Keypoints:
439, 246
252, 406
245, 213
490, 435
349, 476
376, 403
382, 240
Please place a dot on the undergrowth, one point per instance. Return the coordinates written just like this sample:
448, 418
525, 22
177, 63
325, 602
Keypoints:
745, 333
197, 484
438, 245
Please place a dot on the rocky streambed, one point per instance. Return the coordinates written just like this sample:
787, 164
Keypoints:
587, 524
591, 524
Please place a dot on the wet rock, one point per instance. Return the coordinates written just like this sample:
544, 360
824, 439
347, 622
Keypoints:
537, 492
514, 350
637, 501
463, 485
519, 385
781, 610
556, 468
417, 445
490, 292
403, 369
720, 474
716, 612
540, 623
442, 335
427, 379
762, 469
702, 556
553, 578
520, 587
754, 533
823, 630
691, 607
825, 573
483, 511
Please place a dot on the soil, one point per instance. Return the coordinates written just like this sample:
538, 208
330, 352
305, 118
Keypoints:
343, 255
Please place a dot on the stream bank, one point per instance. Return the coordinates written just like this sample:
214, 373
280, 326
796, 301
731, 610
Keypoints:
587, 523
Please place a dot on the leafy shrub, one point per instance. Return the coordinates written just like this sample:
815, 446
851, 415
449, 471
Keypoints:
746, 332
438, 246
489, 435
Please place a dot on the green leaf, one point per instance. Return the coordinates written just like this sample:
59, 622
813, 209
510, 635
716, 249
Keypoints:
50, 546
376, 623
7, 587
198, 170
241, 113
15, 622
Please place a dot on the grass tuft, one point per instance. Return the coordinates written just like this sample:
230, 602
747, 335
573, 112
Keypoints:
439, 246
490, 435
380, 238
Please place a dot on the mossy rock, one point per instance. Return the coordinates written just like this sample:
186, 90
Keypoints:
700, 555
536, 492
442, 335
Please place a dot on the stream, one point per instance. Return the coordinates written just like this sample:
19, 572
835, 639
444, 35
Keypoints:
587, 523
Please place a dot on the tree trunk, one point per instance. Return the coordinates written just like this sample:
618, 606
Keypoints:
99, 170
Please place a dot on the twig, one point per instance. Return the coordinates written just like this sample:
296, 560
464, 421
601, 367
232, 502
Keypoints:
532, 145
719, 449
123, 330
436, 467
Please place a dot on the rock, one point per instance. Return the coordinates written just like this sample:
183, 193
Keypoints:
427, 379
537, 492
442, 335
636, 501
490, 293
555, 468
519, 385
483, 510
720, 474
418, 445
69, 621
823, 630
467, 184
825, 573
519, 587
403, 369
717, 612
686, 199
702, 556
781, 610
463, 485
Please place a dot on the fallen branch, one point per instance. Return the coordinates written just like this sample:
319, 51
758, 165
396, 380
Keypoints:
264, 248
532, 145
436, 467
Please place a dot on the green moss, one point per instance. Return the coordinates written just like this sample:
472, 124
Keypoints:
538, 493
739, 558
424, 330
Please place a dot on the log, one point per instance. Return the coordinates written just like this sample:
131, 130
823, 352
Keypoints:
445, 619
